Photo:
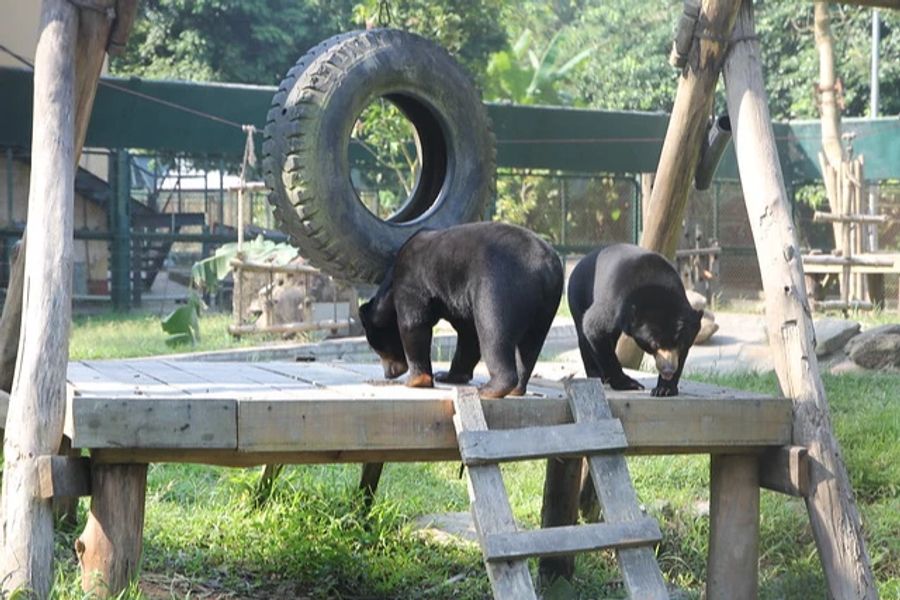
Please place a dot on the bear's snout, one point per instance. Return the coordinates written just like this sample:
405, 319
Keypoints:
393, 368
666, 363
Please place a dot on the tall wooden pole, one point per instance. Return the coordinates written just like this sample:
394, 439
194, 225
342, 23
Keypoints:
37, 402
684, 139
68, 60
832, 509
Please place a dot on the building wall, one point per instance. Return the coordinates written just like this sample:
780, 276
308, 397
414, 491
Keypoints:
91, 256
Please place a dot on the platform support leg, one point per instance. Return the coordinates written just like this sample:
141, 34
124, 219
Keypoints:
65, 509
733, 562
561, 488
368, 482
109, 549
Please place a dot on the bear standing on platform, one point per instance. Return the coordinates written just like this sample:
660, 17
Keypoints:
498, 285
622, 288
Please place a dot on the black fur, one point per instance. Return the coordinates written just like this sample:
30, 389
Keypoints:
625, 289
498, 285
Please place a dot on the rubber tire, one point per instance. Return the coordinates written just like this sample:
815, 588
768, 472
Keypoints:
307, 135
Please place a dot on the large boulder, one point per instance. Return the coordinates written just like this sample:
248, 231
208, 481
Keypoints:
696, 299
876, 348
832, 334
708, 327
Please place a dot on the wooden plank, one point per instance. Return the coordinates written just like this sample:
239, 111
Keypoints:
490, 505
64, 476
612, 484
732, 564
421, 420
483, 447
154, 423
569, 539
785, 470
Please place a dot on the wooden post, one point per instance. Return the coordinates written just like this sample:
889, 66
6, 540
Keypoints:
687, 126
109, 549
10, 321
37, 402
832, 509
560, 507
684, 140
733, 560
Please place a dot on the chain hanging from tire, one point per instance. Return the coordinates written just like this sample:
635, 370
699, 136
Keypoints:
306, 143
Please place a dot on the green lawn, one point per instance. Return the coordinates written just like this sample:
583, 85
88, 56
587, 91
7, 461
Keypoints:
311, 540
130, 335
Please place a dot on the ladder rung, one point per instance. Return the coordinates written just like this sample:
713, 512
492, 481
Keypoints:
570, 539
501, 445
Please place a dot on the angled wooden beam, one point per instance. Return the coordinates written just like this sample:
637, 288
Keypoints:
830, 503
684, 139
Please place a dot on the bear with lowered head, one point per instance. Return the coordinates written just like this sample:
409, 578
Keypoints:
623, 288
498, 285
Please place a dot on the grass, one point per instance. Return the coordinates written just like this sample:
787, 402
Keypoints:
204, 537
129, 335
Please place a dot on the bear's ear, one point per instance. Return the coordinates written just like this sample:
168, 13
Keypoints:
628, 317
379, 310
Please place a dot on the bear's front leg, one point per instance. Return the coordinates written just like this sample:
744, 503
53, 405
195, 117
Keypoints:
417, 347
610, 367
465, 357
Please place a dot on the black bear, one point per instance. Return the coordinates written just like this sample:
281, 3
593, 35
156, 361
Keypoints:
624, 288
498, 285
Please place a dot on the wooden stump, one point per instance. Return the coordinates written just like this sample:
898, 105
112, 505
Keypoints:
733, 560
109, 549
561, 487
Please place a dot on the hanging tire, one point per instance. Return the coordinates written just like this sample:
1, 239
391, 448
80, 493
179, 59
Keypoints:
307, 136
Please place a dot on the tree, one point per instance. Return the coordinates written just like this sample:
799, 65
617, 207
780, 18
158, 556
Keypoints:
244, 41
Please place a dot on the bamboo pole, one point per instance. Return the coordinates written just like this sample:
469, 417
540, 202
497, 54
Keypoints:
684, 140
832, 509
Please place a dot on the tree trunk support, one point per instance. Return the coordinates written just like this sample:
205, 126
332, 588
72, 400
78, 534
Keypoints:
109, 549
560, 507
830, 503
68, 58
685, 137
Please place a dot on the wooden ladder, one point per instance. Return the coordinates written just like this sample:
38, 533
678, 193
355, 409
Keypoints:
594, 434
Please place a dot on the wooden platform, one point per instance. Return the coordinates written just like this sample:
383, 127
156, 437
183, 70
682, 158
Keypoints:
256, 413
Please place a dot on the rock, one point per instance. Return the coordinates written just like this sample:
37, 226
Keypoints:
696, 299
876, 348
708, 327
832, 334
447, 528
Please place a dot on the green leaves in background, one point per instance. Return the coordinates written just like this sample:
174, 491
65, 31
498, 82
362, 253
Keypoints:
207, 273
183, 323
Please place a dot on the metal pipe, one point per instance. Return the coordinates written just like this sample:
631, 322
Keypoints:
713, 149
873, 113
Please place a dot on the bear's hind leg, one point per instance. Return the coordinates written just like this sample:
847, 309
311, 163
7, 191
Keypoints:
466, 356
528, 351
500, 358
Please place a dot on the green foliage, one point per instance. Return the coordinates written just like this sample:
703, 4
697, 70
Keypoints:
207, 273
525, 75
247, 41
469, 29
183, 323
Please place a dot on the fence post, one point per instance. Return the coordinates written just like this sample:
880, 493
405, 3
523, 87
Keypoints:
120, 223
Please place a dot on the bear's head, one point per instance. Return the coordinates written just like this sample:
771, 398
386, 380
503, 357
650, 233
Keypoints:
379, 320
662, 326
